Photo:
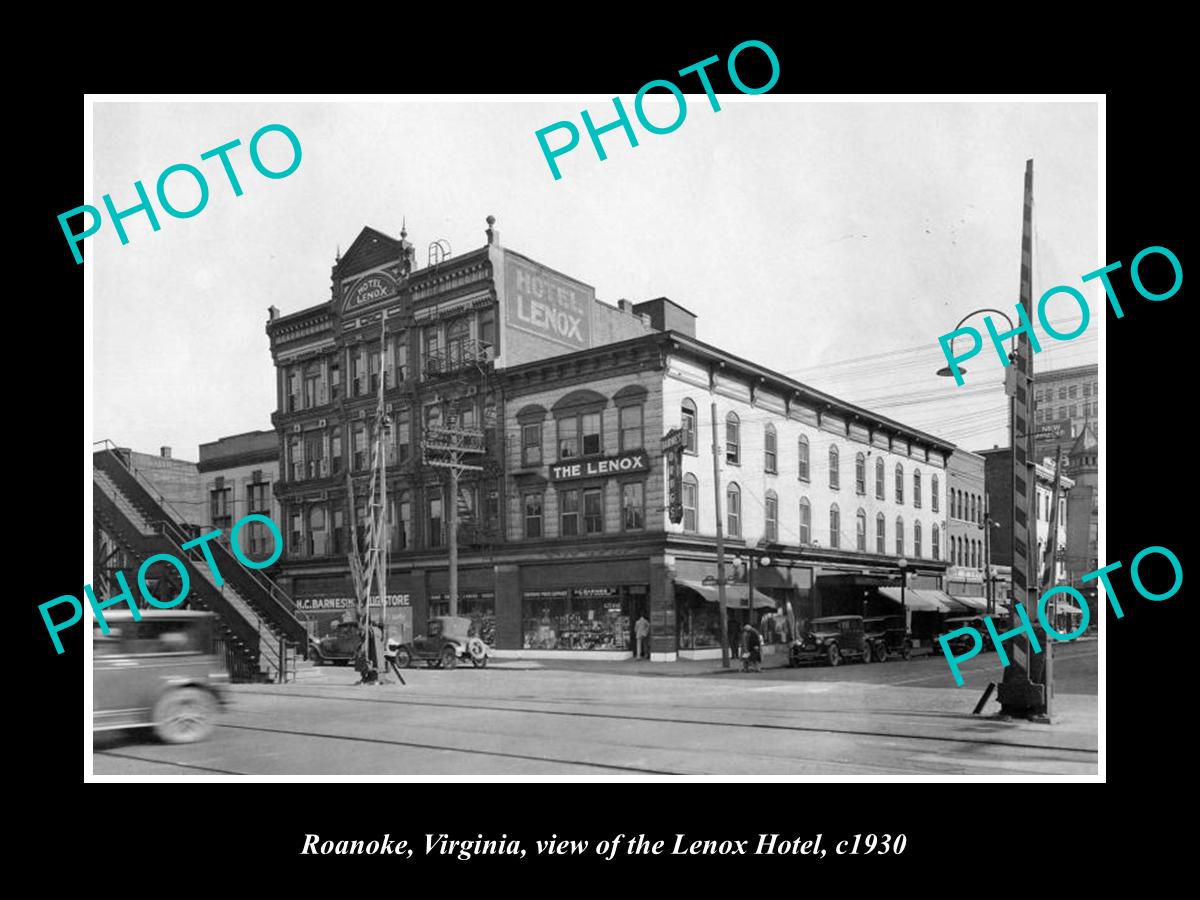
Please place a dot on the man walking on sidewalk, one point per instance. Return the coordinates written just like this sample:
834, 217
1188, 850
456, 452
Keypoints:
641, 630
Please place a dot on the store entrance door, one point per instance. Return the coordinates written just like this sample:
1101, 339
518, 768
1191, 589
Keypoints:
639, 606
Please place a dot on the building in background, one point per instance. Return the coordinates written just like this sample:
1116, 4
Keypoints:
1064, 401
965, 528
237, 477
1083, 508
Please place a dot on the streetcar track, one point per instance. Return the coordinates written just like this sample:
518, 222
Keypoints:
167, 763
413, 744
676, 721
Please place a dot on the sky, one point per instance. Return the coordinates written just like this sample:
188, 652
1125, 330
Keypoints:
829, 241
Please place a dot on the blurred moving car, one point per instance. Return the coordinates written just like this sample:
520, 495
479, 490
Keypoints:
830, 639
159, 672
963, 642
447, 642
888, 638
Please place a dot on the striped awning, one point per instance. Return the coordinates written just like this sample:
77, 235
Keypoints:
735, 594
922, 599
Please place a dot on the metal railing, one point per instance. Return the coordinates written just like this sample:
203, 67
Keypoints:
459, 355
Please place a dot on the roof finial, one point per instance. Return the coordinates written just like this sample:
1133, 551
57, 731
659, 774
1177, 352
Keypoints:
337, 254
403, 228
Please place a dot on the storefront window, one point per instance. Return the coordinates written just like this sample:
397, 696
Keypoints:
699, 624
596, 618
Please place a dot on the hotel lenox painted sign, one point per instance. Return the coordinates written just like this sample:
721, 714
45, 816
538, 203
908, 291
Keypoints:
551, 306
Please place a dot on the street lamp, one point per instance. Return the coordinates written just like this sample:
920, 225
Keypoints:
946, 371
902, 564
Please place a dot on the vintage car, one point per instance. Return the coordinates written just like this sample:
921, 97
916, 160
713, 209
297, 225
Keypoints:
159, 672
448, 640
887, 637
963, 642
830, 639
339, 647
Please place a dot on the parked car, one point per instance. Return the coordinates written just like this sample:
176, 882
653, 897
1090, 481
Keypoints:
338, 647
888, 637
159, 672
448, 640
963, 642
830, 639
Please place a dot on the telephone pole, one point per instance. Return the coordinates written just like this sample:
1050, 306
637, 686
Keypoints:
450, 447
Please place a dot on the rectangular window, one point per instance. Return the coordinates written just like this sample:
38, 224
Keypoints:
568, 507
732, 448
1073, 410
433, 346
435, 521
593, 511
487, 332
804, 460
335, 381
770, 453
296, 457
733, 504
1073, 392
219, 507
771, 508
880, 537
589, 433
258, 497
402, 435
630, 421
1062, 393
531, 444
568, 437
633, 504
314, 454
401, 353
688, 423
835, 528
312, 381
357, 387
293, 392
360, 448
805, 523
295, 534
1087, 391
690, 490
533, 515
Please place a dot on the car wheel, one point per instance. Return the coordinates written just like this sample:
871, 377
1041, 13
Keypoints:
316, 659
866, 654
833, 655
881, 653
449, 658
792, 661
906, 653
185, 715
404, 658
479, 662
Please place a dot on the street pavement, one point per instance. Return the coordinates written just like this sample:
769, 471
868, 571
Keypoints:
565, 719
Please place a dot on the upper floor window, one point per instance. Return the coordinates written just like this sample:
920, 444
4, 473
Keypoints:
733, 510
579, 435
687, 421
899, 483
805, 521
691, 497
771, 514
629, 420
568, 513
860, 474
458, 333
633, 505
358, 385
879, 478
533, 515
219, 508
917, 488
834, 465
593, 511
335, 381
860, 530
374, 363
293, 391
899, 536
803, 449
880, 533
335, 450
531, 444
313, 393
435, 520
359, 434
933, 493
917, 538
935, 543
733, 439
258, 497
402, 434
770, 450
835, 526
296, 457
400, 356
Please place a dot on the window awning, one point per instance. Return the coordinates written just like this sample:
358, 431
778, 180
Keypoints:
973, 604
735, 594
921, 599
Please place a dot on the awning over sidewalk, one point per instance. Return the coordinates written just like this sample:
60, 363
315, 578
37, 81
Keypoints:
922, 599
973, 604
1062, 605
735, 594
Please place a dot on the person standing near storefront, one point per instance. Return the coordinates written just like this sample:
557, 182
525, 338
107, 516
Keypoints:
641, 630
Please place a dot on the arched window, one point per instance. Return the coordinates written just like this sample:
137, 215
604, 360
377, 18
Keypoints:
956, 503
834, 474
860, 474
917, 539
687, 422
771, 514
880, 534
917, 488
935, 544
803, 449
899, 536
899, 483
733, 510
691, 500
733, 440
972, 555
805, 521
861, 529
933, 494
770, 450
971, 508
835, 526
879, 478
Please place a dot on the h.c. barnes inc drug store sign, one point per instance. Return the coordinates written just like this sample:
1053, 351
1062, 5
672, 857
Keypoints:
622, 464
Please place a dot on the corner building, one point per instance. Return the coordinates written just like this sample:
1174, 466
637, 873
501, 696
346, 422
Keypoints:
565, 537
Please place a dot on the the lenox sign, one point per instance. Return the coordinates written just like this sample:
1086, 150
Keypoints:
624, 464
543, 303
371, 288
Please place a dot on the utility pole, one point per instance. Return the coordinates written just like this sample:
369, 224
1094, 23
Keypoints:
720, 543
450, 447
1048, 573
987, 553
